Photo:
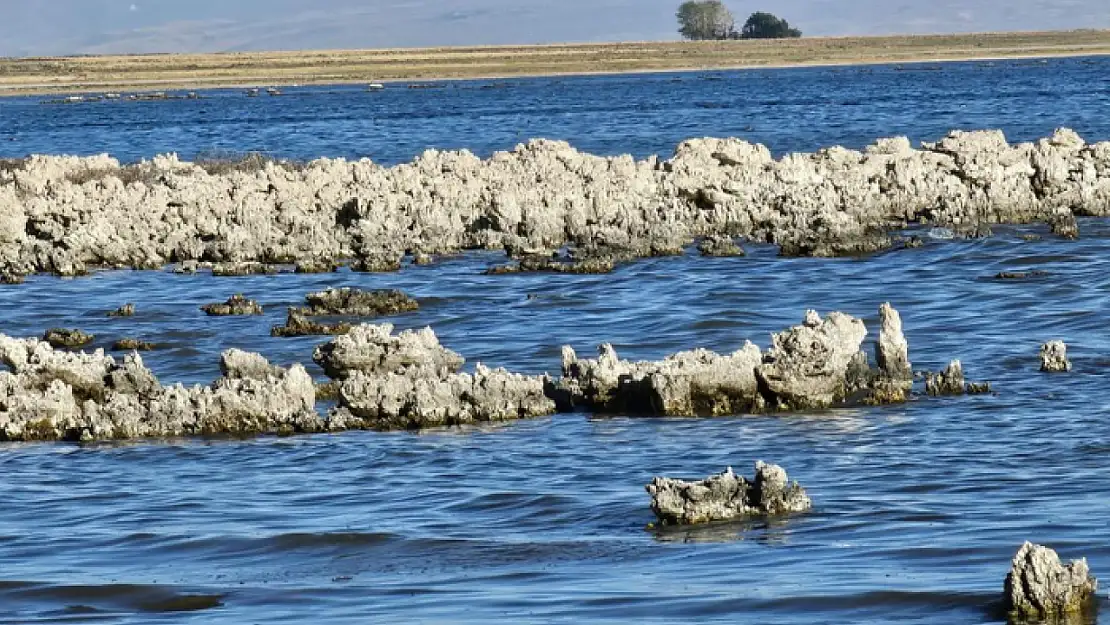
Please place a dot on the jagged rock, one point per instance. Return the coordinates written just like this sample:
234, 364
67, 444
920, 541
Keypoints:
719, 246
356, 302
892, 352
405, 402
375, 350
61, 337
807, 365
693, 383
59, 395
236, 305
950, 381
129, 344
726, 497
1039, 586
127, 310
296, 324
1054, 357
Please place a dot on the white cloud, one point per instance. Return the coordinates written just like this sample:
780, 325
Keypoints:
134, 7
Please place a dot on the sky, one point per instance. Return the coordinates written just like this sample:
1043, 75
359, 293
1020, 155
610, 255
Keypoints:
55, 27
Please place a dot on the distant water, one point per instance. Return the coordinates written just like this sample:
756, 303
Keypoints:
787, 109
918, 508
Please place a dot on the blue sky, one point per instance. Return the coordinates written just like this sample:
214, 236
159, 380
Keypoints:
40, 27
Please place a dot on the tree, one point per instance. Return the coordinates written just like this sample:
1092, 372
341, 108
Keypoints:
766, 26
705, 19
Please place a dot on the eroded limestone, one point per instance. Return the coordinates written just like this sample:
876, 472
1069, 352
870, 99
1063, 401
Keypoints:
1039, 586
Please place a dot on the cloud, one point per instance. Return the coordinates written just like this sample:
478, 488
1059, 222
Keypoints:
134, 7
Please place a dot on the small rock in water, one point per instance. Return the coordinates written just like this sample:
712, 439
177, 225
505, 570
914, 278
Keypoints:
132, 345
316, 266
1054, 357
236, 305
296, 324
1064, 225
127, 310
1039, 586
11, 278
947, 382
719, 246
359, 303
726, 496
913, 242
60, 337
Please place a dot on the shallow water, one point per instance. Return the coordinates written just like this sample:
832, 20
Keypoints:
918, 508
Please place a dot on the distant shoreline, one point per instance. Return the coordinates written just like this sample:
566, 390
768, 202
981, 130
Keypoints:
185, 72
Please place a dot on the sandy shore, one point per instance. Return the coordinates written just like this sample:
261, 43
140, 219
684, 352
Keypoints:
43, 75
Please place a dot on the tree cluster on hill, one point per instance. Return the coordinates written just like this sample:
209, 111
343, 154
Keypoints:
711, 20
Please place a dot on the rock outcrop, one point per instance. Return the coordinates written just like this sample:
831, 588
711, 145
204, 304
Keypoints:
815, 365
726, 497
66, 214
410, 381
1054, 357
56, 395
1040, 587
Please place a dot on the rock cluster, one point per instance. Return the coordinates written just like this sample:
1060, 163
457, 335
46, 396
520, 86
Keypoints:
815, 365
58, 395
1040, 587
950, 381
127, 310
726, 496
1054, 357
410, 381
65, 214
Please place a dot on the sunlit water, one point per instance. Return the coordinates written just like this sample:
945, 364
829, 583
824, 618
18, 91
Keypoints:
917, 508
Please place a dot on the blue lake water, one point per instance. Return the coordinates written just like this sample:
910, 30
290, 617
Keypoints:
918, 508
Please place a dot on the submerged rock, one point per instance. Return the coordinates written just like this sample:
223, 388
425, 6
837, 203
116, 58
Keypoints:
61, 337
127, 310
720, 246
356, 302
235, 305
1039, 586
243, 269
726, 497
128, 344
296, 324
315, 266
1054, 357
375, 350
